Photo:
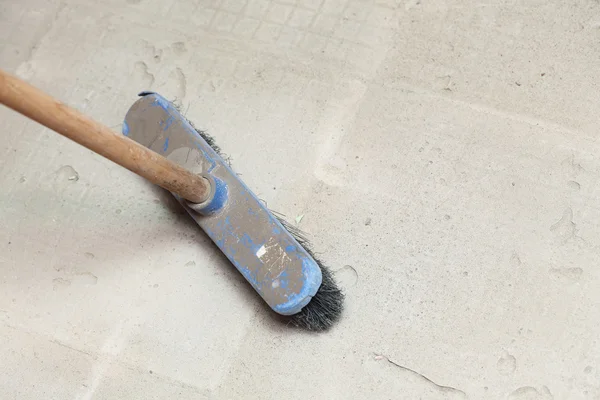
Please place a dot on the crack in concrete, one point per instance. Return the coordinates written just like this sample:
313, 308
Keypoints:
442, 388
55, 341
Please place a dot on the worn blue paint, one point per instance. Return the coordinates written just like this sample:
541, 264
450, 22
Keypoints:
283, 279
125, 128
227, 237
219, 199
168, 123
162, 102
312, 280
246, 241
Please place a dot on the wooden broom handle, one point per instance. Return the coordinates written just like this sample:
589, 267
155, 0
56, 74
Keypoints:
40, 107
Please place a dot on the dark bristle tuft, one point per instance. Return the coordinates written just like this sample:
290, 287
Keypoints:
211, 142
326, 306
324, 309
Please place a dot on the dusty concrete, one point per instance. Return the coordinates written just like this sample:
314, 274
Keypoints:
443, 153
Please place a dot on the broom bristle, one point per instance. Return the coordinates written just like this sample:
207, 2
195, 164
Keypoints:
326, 306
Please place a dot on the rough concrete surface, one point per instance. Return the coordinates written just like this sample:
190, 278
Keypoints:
444, 155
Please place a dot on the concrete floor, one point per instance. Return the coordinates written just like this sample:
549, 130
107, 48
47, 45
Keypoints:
444, 155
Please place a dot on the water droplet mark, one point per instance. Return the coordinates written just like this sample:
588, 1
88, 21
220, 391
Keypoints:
142, 73
86, 278
67, 173
58, 283
564, 228
190, 263
574, 185
531, 393
91, 256
178, 81
506, 364
347, 276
